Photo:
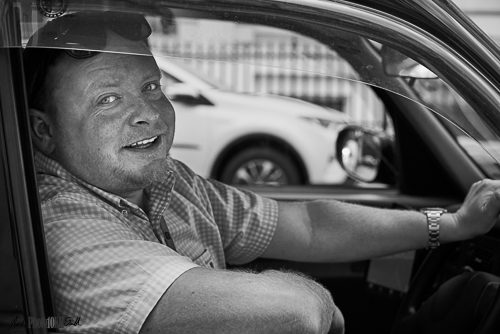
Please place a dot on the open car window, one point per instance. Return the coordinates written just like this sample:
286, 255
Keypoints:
315, 86
288, 98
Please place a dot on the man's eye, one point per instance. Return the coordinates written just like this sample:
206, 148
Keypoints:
108, 99
151, 86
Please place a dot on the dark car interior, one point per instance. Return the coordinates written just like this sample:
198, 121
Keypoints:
459, 281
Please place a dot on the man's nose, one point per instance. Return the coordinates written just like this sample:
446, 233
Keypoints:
143, 113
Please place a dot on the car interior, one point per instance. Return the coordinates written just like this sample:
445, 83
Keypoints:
430, 138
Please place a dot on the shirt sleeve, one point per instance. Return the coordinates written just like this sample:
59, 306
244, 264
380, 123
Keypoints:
102, 271
246, 221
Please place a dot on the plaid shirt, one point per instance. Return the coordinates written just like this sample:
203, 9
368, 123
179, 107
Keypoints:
110, 262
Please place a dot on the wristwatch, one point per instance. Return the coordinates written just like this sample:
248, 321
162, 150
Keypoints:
433, 218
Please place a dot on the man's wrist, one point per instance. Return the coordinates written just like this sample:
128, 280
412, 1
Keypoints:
433, 216
449, 230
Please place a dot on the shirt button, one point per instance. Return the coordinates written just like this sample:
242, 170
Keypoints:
125, 212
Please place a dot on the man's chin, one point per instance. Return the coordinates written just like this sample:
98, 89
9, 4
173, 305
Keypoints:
132, 180
156, 171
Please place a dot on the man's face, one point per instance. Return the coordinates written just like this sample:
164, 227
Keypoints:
114, 127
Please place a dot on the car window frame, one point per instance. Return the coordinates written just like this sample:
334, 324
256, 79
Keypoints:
24, 207
28, 239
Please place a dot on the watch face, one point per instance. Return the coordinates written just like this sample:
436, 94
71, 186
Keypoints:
424, 210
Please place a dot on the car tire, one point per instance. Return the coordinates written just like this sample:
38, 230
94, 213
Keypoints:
260, 166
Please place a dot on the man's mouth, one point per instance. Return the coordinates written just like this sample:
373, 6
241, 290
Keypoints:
145, 143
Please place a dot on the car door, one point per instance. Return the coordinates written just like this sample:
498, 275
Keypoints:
24, 284
329, 54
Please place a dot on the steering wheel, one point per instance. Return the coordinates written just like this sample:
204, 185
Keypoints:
465, 304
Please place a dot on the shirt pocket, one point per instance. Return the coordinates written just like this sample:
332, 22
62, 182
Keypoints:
205, 259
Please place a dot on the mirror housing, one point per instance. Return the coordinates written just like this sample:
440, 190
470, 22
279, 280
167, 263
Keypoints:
367, 156
397, 64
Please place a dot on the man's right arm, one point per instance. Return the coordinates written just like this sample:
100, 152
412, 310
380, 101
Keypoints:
225, 301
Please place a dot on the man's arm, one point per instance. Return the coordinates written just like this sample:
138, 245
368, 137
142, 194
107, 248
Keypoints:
332, 231
224, 301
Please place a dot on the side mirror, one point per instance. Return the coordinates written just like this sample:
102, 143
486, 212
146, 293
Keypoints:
180, 92
366, 156
397, 64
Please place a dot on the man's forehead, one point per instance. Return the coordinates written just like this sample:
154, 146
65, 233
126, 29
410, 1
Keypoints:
116, 62
111, 68
104, 70
120, 55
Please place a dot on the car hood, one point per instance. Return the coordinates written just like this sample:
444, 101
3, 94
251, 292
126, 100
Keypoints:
273, 103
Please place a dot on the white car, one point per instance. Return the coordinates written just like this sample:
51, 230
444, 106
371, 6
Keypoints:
241, 138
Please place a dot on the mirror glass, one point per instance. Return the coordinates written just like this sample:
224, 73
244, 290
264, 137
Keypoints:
365, 154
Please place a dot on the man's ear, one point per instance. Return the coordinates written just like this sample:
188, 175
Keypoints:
41, 131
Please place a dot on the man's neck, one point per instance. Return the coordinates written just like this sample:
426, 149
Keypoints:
138, 198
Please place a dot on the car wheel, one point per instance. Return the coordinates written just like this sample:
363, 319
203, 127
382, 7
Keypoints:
258, 165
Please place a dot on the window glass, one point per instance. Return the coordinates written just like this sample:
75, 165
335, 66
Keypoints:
263, 105
284, 101
470, 131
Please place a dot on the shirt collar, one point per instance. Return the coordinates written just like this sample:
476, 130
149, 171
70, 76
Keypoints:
158, 193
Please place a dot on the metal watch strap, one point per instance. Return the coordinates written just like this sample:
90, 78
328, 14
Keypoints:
433, 219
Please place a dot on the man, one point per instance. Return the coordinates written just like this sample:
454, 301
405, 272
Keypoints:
138, 242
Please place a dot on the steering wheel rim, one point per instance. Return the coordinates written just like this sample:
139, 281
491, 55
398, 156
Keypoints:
406, 318
421, 282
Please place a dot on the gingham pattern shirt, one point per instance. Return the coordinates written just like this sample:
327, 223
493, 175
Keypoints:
109, 261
